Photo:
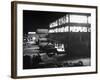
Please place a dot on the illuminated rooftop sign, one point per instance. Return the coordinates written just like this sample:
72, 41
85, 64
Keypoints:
59, 22
78, 19
70, 29
57, 26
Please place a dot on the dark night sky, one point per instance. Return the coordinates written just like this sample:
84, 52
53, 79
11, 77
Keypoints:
38, 19
41, 19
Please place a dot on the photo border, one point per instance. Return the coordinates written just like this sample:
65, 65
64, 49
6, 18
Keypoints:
14, 37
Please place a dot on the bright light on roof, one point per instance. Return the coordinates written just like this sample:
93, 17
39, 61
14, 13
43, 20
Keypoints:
31, 32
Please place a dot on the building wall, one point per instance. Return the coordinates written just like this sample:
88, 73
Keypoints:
76, 38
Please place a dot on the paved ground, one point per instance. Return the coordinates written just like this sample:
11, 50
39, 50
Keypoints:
60, 60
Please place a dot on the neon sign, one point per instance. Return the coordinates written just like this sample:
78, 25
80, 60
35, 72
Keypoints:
70, 18
78, 29
59, 22
70, 29
78, 19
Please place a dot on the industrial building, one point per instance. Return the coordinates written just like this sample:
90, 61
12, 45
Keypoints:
56, 39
